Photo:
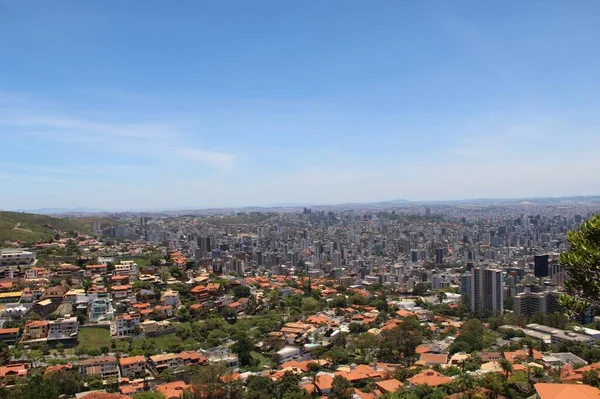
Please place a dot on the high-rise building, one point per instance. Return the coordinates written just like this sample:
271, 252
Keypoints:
95, 226
540, 265
484, 290
529, 303
439, 256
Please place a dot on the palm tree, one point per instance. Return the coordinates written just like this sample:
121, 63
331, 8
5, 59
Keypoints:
538, 373
464, 382
506, 366
441, 295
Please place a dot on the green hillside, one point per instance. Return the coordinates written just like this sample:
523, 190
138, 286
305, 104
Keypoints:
30, 228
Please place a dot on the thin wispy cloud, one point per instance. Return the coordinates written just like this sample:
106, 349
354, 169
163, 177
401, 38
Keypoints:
161, 143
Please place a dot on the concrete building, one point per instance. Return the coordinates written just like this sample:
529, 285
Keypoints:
484, 289
529, 303
63, 328
105, 367
16, 257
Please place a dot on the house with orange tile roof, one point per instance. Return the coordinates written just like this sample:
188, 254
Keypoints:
568, 391
101, 395
35, 329
429, 359
120, 292
429, 377
172, 390
521, 355
389, 386
324, 383
132, 366
19, 370
58, 367
103, 366
9, 335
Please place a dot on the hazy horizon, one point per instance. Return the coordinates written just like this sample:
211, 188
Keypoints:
131, 105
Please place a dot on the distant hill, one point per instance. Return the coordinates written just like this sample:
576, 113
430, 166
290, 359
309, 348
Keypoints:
30, 228
59, 211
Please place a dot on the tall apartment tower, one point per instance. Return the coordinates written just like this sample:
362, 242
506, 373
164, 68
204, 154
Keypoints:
484, 288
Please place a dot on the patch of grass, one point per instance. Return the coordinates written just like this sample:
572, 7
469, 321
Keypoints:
93, 338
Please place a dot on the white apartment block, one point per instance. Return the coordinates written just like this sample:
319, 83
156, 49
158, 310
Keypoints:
124, 325
15, 257
63, 328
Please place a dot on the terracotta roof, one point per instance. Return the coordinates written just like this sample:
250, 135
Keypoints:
324, 382
433, 358
571, 391
125, 361
104, 395
389, 385
172, 390
431, 378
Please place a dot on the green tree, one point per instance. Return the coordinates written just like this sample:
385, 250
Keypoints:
582, 264
40, 388
341, 388
288, 387
592, 378
243, 348
506, 367
259, 387
68, 383
399, 344
441, 295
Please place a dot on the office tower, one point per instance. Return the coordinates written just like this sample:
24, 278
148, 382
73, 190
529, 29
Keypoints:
484, 289
336, 259
203, 246
439, 256
540, 265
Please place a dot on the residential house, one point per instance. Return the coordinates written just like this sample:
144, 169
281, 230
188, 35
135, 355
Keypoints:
105, 367
95, 270
171, 298
172, 390
34, 273
125, 324
10, 297
17, 370
120, 292
55, 294
132, 366
164, 361
429, 377
100, 309
389, 386
35, 329
9, 335
66, 271
63, 328
560, 391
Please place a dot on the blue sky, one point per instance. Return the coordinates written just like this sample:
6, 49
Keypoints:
158, 104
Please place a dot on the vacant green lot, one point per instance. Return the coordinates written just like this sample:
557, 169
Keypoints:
93, 338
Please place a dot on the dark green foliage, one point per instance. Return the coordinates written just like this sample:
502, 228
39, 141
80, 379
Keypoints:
582, 263
399, 344
341, 389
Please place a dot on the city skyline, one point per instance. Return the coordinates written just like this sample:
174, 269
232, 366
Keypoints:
137, 106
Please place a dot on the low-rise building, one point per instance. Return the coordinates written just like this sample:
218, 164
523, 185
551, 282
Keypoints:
63, 328
105, 367
126, 324
16, 257
132, 366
